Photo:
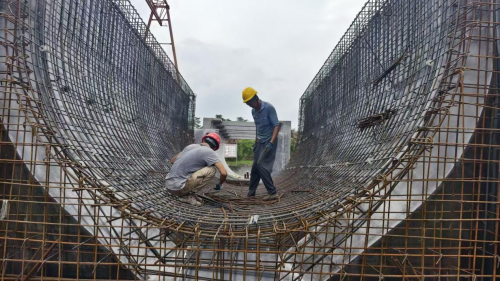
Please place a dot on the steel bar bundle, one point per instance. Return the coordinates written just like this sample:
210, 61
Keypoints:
395, 175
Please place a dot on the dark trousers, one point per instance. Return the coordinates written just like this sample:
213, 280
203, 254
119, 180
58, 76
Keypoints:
262, 168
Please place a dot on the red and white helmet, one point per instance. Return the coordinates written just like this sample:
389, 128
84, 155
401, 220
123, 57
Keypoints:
212, 139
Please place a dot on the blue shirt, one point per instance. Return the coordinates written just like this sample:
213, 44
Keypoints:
265, 121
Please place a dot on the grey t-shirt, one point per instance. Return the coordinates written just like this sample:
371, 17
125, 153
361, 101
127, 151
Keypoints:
193, 158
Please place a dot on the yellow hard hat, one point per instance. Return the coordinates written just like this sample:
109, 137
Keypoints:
248, 93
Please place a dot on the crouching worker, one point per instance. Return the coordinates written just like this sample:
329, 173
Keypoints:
193, 168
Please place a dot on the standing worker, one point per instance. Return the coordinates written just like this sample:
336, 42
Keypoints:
266, 140
193, 168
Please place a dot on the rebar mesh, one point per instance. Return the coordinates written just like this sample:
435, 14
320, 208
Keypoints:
395, 175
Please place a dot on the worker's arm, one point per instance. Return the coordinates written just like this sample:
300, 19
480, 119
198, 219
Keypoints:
174, 158
273, 119
222, 171
275, 134
256, 140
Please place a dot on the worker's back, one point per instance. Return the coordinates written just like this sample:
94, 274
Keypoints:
193, 158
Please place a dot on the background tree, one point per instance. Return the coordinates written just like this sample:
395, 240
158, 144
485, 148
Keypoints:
241, 119
221, 118
293, 140
245, 150
197, 122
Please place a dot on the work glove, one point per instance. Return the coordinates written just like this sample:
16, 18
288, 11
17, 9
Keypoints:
270, 147
218, 186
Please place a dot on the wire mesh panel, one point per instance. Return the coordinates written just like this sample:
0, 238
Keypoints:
395, 174
399, 127
90, 112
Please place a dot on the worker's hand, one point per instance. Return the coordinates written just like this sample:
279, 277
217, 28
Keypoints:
270, 147
254, 146
218, 186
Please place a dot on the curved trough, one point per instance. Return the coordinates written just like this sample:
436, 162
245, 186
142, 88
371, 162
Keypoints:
396, 136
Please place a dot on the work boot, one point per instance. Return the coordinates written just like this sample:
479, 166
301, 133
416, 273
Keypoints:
190, 199
271, 197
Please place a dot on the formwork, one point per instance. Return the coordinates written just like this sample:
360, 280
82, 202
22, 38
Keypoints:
395, 175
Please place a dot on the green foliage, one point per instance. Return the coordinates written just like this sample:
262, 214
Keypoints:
239, 163
239, 119
292, 145
221, 118
245, 150
244, 153
293, 141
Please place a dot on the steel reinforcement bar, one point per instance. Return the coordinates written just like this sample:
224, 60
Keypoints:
395, 174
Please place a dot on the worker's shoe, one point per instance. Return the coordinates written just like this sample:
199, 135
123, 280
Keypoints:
190, 199
271, 197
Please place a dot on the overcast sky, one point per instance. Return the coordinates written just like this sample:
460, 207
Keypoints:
274, 46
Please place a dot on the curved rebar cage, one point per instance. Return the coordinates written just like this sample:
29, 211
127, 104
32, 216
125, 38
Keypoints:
395, 174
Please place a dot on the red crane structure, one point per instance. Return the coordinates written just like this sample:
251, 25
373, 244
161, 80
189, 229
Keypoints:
160, 12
